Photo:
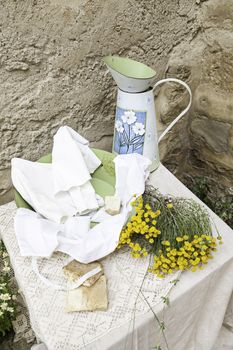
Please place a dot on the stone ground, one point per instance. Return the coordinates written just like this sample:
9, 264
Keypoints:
8, 344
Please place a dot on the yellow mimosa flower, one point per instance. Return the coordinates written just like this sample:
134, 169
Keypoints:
169, 205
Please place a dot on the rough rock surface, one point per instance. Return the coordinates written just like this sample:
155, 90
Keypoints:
204, 140
51, 69
8, 344
51, 74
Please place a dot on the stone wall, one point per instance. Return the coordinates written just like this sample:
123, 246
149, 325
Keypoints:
52, 74
207, 64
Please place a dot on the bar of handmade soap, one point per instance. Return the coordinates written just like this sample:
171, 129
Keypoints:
74, 270
88, 298
112, 205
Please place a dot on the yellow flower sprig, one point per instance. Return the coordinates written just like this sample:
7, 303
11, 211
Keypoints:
179, 217
159, 226
191, 254
141, 227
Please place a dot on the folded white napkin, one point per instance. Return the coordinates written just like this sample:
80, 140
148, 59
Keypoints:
63, 188
75, 237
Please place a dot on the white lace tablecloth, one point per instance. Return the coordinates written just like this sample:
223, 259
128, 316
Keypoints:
126, 277
129, 322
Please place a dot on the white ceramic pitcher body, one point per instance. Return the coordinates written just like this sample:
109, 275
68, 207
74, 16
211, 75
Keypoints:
135, 123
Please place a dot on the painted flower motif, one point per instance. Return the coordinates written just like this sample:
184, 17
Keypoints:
119, 126
139, 129
129, 117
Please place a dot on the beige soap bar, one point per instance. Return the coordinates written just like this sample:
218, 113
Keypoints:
74, 270
88, 298
112, 205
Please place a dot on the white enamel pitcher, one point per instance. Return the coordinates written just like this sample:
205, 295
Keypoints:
135, 128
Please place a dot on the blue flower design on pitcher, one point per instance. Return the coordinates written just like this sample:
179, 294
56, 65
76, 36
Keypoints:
129, 131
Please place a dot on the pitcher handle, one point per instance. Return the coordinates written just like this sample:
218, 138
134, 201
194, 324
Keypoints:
183, 112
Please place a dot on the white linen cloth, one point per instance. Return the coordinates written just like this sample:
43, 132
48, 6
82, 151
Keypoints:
63, 188
38, 236
131, 173
131, 170
193, 319
69, 176
72, 163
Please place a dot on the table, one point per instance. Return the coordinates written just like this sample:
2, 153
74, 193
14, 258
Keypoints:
197, 304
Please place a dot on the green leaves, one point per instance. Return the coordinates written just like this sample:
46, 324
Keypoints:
166, 300
162, 326
212, 194
174, 282
157, 347
179, 217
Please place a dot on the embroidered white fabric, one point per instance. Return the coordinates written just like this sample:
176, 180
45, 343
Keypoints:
73, 331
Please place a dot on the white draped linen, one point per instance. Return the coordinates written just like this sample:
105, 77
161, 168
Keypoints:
197, 304
61, 190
